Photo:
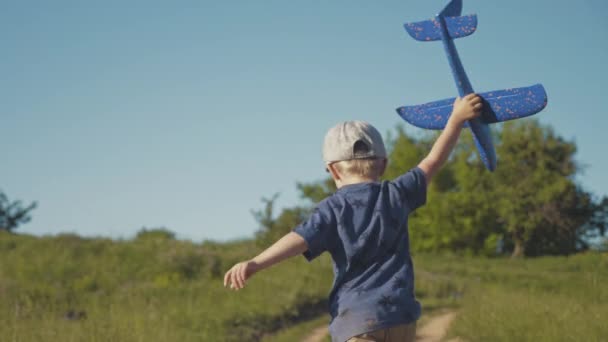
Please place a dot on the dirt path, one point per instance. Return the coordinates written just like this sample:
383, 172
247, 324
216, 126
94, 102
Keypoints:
433, 330
317, 335
436, 328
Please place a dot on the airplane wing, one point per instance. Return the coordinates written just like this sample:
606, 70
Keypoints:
499, 106
429, 30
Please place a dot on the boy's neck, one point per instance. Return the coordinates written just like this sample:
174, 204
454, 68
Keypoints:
354, 180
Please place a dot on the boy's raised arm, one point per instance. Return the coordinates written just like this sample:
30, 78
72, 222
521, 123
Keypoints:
465, 108
289, 245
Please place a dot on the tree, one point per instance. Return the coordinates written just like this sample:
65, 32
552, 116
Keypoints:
530, 205
159, 234
12, 214
602, 246
459, 215
315, 192
272, 228
536, 194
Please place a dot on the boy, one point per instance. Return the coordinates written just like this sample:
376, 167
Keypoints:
364, 228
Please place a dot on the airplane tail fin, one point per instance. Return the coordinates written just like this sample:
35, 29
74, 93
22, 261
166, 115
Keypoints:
452, 9
429, 30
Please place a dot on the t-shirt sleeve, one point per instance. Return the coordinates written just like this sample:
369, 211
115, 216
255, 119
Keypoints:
317, 231
412, 187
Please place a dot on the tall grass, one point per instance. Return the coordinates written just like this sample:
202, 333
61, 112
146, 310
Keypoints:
542, 299
146, 290
156, 288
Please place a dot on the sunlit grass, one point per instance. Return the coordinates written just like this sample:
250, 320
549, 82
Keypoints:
154, 288
543, 299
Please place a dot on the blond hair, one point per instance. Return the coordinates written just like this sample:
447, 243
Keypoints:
369, 167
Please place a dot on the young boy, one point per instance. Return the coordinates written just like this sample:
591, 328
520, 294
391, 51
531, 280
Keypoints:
364, 228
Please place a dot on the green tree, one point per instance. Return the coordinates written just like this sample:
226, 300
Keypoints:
12, 214
155, 234
315, 192
530, 205
535, 191
459, 215
272, 228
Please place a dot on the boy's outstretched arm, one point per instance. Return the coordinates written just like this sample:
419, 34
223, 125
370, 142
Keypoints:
289, 245
465, 108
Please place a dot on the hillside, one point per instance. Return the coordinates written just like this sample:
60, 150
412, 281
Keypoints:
156, 288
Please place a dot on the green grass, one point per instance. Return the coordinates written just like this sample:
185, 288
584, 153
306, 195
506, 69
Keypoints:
146, 290
155, 288
542, 299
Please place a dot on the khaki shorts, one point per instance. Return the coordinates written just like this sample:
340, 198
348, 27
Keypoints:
398, 333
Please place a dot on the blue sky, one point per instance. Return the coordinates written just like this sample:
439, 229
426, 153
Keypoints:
184, 114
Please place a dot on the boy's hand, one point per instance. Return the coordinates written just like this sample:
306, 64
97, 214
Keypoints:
467, 108
289, 245
239, 273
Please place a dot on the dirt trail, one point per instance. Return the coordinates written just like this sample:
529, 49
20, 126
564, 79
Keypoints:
433, 330
317, 335
436, 328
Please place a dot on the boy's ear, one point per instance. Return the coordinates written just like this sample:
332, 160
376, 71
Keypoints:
384, 166
333, 171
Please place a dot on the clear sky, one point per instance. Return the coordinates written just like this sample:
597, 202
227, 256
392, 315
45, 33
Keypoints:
184, 114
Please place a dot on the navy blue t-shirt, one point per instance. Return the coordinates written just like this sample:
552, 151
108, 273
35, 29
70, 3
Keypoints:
364, 228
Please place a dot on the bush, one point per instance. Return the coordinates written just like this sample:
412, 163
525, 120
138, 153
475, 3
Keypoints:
155, 234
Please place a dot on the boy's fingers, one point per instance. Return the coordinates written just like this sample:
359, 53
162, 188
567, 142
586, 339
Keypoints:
231, 280
237, 284
476, 99
227, 277
242, 275
237, 276
235, 279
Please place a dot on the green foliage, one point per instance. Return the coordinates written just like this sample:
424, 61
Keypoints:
530, 205
315, 192
155, 234
68, 288
603, 246
405, 153
540, 299
509, 300
532, 183
273, 228
12, 214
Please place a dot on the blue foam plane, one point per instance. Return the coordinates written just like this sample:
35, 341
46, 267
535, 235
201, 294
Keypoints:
499, 105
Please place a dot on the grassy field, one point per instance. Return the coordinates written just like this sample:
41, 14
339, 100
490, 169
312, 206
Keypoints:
155, 288
150, 289
541, 299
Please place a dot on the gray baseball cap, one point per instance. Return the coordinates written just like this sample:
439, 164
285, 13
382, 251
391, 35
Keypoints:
352, 140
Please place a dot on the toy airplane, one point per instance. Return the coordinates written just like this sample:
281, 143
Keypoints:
500, 105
